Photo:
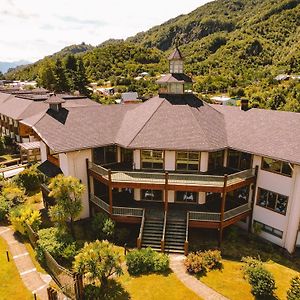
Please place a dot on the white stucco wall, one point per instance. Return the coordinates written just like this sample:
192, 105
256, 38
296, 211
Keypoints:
74, 164
137, 159
43, 151
170, 160
204, 162
280, 184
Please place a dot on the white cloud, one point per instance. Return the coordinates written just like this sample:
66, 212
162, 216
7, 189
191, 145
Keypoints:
36, 28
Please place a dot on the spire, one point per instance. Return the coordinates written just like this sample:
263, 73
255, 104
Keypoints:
176, 55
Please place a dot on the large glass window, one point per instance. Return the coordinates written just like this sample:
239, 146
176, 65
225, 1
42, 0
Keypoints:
215, 160
187, 161
240, 195
105, 155
152, 159
273, 201
127, 155
276, 166
152, 195
186, 197
239, 160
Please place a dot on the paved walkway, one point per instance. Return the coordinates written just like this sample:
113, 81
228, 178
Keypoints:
37, 283
199, 288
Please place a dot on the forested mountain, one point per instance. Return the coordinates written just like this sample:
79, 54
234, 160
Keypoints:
229, 45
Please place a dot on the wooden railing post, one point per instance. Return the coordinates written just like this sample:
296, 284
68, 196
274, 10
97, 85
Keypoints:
110, 197
223, 209
252, 201
88, 185
166, 191
186, 242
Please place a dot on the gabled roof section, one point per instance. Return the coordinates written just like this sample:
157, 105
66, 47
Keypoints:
175, 55
263, 132
175, 78
54, 99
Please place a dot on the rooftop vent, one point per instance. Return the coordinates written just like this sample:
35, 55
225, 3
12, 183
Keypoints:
55, 102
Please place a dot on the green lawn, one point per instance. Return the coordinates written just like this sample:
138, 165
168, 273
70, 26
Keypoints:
153, 287
230, 282
11, 286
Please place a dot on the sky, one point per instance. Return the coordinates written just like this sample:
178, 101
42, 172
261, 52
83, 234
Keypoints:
31, 29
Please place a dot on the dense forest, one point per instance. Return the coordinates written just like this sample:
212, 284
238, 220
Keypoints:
234, 46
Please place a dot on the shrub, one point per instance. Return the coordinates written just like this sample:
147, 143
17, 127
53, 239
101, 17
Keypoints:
146, 261
199, 262
102, 226
4, 208
195, 263
59, 244
261, 280
294, 291
21, 215
12, 193
30, 179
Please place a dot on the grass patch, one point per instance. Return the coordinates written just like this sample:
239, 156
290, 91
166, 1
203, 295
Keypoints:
230, 282
154, 286
11, 286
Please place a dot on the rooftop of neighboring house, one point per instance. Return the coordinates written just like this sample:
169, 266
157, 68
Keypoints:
20, 105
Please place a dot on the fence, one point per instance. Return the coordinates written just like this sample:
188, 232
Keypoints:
70, 283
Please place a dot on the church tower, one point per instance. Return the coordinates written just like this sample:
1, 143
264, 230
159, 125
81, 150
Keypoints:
176, 83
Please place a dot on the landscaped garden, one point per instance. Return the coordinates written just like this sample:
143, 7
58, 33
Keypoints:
245, 268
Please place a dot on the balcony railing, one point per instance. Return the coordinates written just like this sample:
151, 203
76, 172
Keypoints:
102, 204
173, 179
128, 211
204, 216
236, 211
116, 210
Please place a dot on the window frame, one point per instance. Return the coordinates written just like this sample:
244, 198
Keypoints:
215, 152
187, 161
240, 153
277, 195
152, 151
272, 231
281, 167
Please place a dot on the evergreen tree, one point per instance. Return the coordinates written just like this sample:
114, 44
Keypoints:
70, 64
61, 84
46, 76
81, 80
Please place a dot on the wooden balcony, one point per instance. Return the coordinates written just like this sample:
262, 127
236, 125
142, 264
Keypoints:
173, 181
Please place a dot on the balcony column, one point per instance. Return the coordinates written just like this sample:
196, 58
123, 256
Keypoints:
223, 209
110, 193
166, 191
252, 200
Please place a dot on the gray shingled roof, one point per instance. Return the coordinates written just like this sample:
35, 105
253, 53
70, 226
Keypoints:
176, 54
173, 122
274, 134
174, 78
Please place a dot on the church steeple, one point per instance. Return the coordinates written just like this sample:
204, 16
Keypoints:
176, 82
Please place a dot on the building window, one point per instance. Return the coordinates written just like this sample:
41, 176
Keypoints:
186, 197
240, 195
276, 166
273, 201
105, 155
187, 161
152, 195
271, 230
215, 160
152, 159
239, 160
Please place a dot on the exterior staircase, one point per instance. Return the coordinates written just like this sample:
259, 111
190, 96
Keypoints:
152, 233
175, 236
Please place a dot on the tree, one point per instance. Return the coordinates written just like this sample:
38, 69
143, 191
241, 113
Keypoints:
61, 84
46, 76
67, 192
70, 64
294, 291
81, 81
98, 261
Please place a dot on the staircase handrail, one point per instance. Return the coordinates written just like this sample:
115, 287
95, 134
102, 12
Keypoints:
186, 243
139, 239
164, 232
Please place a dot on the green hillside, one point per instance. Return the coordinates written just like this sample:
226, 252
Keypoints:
235, 46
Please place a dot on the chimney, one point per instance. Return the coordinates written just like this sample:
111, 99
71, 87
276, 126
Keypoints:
55, 102
244, 104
